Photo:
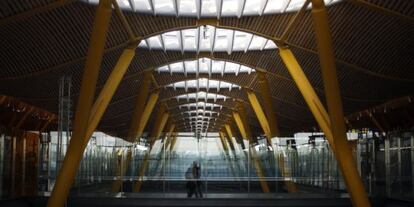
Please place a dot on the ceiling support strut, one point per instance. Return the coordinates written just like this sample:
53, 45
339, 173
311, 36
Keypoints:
166, 142
226, 152
149, 107
267, 128
123, 165
343, 151
87, 91
108, 91
161, 119
240, 119
142, 97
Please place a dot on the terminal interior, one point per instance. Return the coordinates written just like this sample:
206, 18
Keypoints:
251, 102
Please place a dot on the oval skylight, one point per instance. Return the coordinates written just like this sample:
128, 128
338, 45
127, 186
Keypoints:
205, 66
211, 8
203, 83
207, 39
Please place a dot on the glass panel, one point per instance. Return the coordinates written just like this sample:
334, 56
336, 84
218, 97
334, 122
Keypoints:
210, 8
207, 39
205, 66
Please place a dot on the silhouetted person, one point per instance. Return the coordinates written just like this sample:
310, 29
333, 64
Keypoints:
197, 181
190, 185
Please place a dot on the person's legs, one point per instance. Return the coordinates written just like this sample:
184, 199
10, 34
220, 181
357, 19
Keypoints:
195, 188
188, 187
199, 189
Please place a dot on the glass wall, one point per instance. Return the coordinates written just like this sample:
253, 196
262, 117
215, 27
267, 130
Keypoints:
385, 164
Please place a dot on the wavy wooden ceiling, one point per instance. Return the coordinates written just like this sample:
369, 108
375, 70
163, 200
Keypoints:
41, 40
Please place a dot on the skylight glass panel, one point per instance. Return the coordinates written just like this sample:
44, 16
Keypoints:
211, 8
230, 7
170, 40
154, 42
275, 6
187, 8
201, 111
124, 4
201, 95
142, 6
203, 83
205, 66
207, 39
199, 118
200, 105
164, 7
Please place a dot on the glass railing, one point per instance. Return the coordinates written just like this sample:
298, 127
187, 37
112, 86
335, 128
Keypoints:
309, 163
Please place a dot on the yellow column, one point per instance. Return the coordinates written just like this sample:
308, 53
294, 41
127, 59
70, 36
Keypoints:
228, 130
140, 102
343, 152
267, 104
159, 124
169, 135
28, 112
141, 172
290, 186
87, 91
223, 142
263, 121
152, 100
173, 141
240, 119
307, 91
122, 168
167, 140
226, 151
108, 91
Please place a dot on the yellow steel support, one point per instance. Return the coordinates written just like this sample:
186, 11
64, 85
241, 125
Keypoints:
28, 112
254, 102
2, 99
167, 140
87, 91
229, 133
122, 169
118, 172
141, 172
228, 130
108, 91
308, 93
164, 120
226, 152
223, 142
152, 100
44, 127
241, 123
141, 99
343, 152
159, 124
267, 104
169, 135
291, 187
173, 141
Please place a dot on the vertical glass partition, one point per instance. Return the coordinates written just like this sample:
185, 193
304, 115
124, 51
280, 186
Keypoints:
111, 165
